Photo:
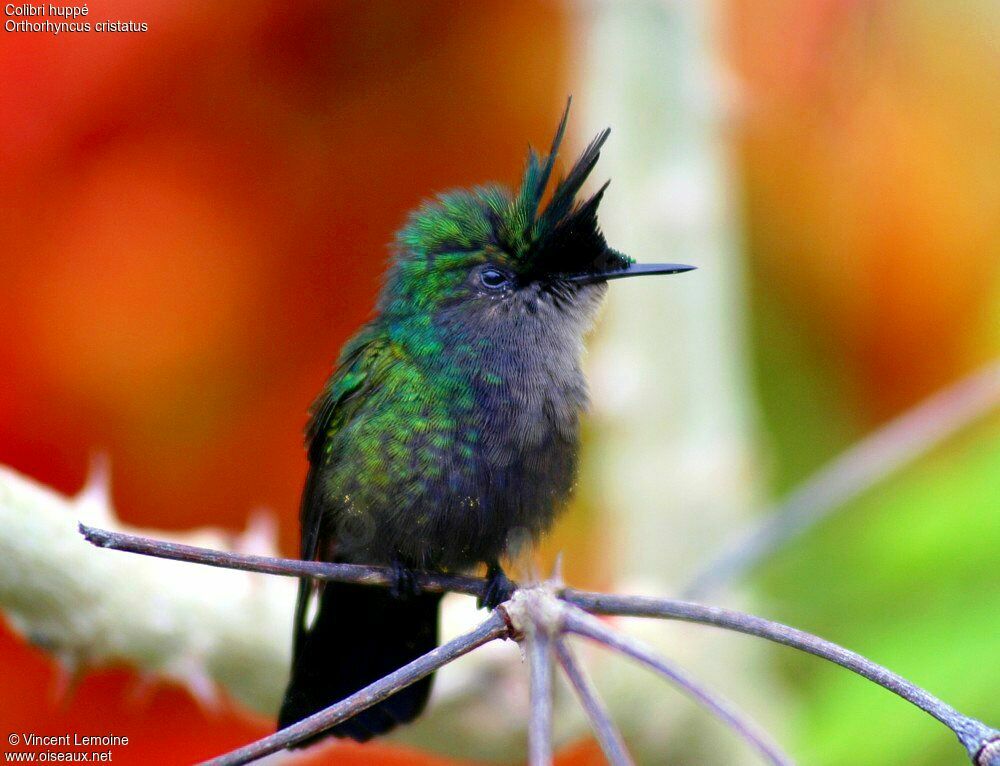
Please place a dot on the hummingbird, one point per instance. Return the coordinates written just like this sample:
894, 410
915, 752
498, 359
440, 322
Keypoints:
448, 433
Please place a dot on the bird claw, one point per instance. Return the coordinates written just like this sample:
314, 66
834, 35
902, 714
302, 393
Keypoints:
404, 581
499, 588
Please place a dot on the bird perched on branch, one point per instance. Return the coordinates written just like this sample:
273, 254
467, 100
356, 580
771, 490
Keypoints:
449, 428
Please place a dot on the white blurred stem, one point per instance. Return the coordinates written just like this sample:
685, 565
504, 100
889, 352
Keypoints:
671, 461
671, 390
208, 629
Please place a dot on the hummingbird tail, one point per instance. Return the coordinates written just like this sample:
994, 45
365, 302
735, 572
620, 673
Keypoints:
360, 634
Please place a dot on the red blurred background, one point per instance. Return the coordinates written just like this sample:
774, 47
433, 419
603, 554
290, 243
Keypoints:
194, 219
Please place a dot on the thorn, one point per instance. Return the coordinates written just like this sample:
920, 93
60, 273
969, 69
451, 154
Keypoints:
556, 577
69, 673
93, 502
142, 690
191, 672
260, 536
203, 689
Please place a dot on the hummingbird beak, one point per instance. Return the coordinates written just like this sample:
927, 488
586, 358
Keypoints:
632, 270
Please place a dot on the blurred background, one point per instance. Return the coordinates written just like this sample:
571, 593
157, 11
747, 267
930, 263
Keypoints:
194, 219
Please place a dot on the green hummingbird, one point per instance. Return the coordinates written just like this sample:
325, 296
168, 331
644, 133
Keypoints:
449, 430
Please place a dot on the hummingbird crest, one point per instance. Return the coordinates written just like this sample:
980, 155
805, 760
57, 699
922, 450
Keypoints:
564, 236
459, 230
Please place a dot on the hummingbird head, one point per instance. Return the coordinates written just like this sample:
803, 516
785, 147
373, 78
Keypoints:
487, 254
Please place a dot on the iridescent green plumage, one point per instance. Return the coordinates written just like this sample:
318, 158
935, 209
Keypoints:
449, 430
418, 395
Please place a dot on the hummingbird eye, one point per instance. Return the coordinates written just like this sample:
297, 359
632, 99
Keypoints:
493, 279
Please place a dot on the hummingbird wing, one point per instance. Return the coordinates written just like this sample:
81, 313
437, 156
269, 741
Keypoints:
359, 370
359, 633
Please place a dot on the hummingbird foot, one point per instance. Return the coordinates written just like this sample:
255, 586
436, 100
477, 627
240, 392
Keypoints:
499, 587
404, 581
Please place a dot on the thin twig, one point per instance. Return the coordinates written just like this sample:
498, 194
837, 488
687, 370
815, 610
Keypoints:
361, 574
894, 445
495, 627
577, 621
973, 734
539, 649
608, 736
978, 738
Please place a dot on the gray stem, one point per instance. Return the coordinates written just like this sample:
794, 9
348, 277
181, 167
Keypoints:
979, 740
539, 650
583, 624
495, 627
361, 574
973, 734
608, 736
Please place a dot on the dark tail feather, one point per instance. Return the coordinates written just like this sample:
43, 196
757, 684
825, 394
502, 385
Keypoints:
360, 634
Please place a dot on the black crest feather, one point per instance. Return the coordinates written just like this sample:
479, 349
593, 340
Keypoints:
565, 236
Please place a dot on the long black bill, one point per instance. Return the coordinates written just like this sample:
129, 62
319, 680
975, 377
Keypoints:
633, 270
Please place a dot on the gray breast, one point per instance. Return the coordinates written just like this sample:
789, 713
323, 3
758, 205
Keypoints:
529, 393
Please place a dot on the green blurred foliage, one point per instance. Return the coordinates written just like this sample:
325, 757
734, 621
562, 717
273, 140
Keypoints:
869, 159
906, 575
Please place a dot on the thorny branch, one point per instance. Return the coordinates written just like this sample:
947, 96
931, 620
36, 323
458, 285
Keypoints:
547, 611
